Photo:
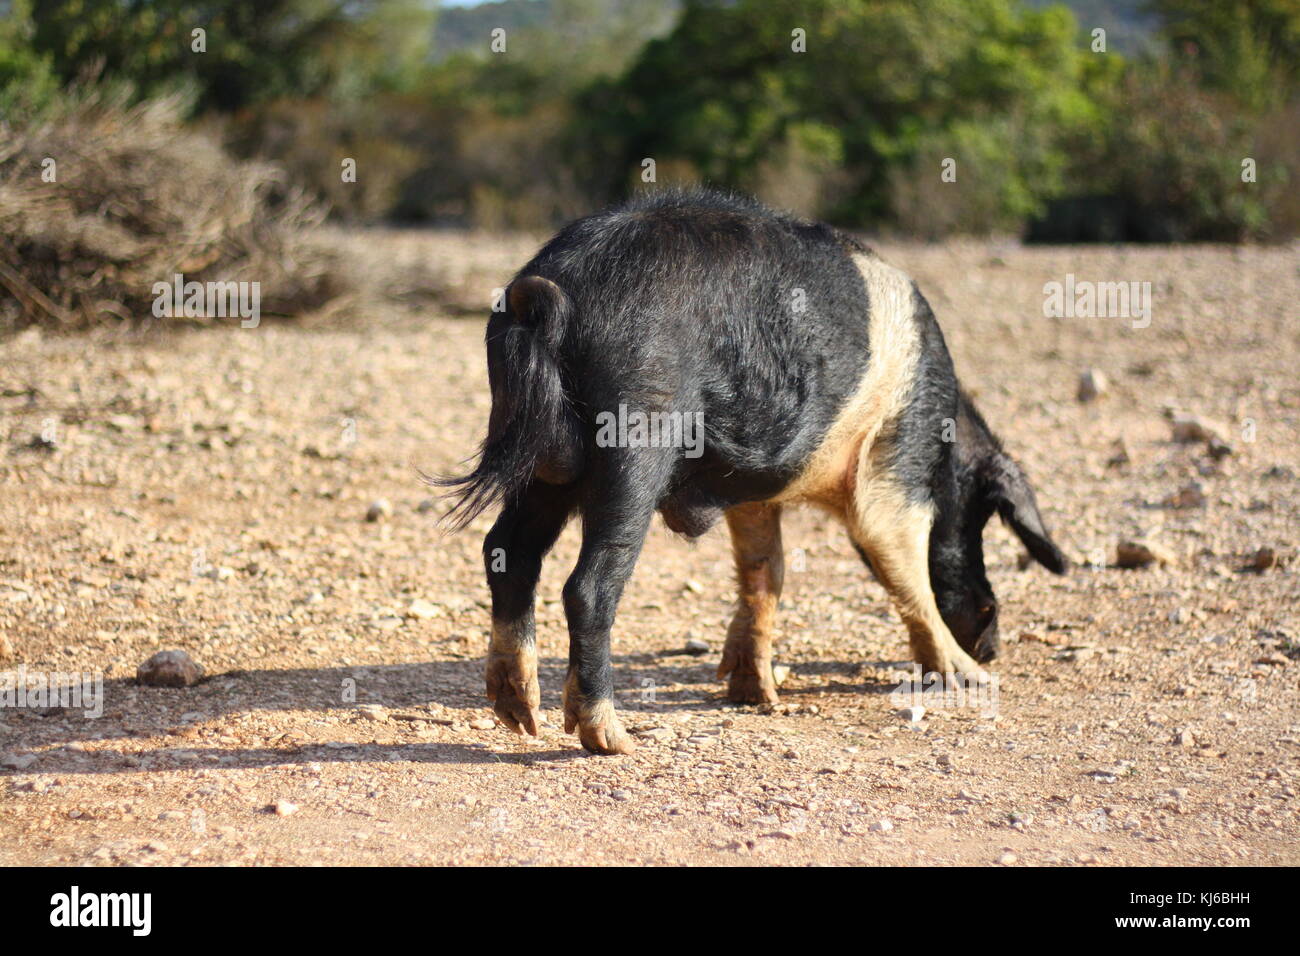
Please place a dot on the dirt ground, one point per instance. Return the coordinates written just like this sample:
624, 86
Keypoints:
208, 491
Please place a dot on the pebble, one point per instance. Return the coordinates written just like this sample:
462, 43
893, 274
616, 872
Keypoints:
882, 826
1261, 560
1092, 385
17, 761
283, 808
660, 735
912, 715
696, 647
1273, 660
1193, 428
1142, 553
379, 509
781, 835
1218, 449
169, 669
1189, 496
1007, 858
6, 649
424, 610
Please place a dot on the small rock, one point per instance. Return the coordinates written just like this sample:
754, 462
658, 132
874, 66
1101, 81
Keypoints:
660, 735
780, 674
1273, 660
17, 761
1007, 858
6, 649
913, 715
1193, 428
882, 826
372, 712
695, 587
1119, 456
1261, 560
424, 610
483, 723
379, 509
1218, 449
1141, 554
1190, 496
283, 808
1185, 738
1092, 385
169, 669
696, 647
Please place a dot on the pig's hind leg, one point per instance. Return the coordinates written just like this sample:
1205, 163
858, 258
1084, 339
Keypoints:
616, 510
760, 572
512, 555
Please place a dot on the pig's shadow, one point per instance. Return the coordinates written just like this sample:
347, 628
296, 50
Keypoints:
648, 685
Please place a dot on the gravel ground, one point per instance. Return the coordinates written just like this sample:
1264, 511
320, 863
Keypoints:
208, 491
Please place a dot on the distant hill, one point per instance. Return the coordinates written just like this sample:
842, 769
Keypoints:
1130, 28
579, 22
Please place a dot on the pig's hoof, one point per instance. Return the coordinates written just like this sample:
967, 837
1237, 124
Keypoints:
599, 728
512, 688
748, 688
751, 678
956, 662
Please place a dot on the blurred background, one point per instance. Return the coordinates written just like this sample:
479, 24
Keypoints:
212, 130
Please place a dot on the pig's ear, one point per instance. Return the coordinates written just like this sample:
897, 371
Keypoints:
1018, 507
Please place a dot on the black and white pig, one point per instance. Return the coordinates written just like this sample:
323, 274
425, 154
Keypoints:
819, 375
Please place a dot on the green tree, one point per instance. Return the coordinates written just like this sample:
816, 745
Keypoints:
254, 50
1249, 49
27, 78
882, 82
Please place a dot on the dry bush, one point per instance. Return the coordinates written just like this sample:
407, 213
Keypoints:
137, 198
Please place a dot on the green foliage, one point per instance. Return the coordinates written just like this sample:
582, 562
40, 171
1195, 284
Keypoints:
255, 50
857, 129
1174, 153
1247, 49
884, 82
27, 79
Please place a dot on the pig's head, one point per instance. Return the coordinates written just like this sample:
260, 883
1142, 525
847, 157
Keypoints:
986, 480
